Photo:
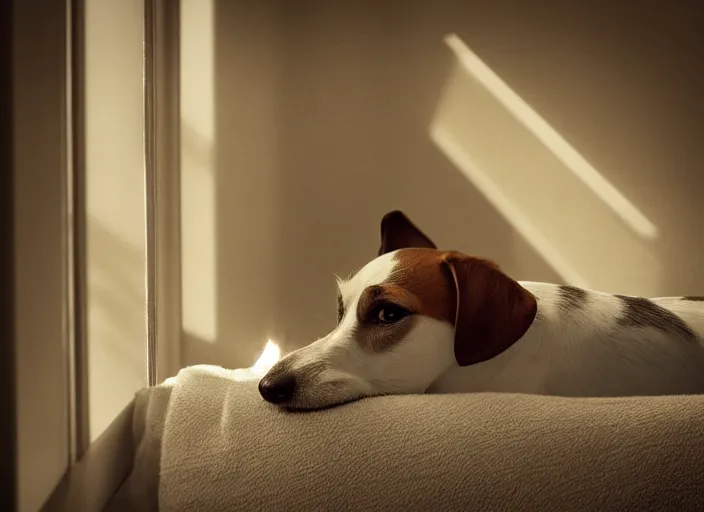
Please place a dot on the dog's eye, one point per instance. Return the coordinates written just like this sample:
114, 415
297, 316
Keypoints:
390, 313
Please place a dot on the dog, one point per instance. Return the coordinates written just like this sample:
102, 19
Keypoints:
420, 320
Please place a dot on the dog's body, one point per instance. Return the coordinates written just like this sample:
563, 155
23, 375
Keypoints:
585, 343
416, 319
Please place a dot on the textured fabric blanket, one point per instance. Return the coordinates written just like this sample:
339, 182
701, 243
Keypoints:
140, 491
224, 448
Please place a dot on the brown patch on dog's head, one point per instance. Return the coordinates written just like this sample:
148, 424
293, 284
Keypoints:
416, 279
378, 302
489, 310
397, 232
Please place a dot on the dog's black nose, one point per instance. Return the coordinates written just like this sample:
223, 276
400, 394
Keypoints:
277, 390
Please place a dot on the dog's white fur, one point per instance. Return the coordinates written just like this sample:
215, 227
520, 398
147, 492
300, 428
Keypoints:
580, 352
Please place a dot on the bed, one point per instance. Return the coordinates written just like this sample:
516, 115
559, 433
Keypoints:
206, 441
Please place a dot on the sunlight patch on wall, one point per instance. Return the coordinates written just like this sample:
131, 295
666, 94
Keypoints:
464, 162
198, 223
546, 134
582, 226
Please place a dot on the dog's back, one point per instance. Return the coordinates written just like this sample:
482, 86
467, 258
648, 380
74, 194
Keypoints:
608, 345
689, 309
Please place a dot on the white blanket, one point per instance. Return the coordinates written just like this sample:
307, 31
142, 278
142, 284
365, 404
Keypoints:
139, 493
224, 448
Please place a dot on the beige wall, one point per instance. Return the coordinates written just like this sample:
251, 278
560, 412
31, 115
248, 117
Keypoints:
115, 207
230, 176
321, 119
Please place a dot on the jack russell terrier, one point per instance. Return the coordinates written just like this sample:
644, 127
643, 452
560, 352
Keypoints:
420, 320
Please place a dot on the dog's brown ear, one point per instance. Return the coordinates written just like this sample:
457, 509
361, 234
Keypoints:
492, 310
398, 232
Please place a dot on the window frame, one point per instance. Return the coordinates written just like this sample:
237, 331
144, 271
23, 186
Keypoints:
52, 34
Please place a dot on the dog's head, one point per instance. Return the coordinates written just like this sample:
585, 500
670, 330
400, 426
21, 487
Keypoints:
403, 320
